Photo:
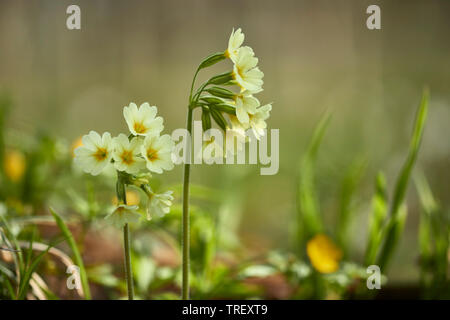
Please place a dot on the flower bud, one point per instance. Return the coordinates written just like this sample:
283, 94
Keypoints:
221, 78
219, 119
206, 119
211, 100
221, 92
212, 59
224, 107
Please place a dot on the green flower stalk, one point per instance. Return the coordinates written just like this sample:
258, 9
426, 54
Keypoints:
233, 112
134, 157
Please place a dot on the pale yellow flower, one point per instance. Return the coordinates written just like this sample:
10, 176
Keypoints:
245, 72
127, 154
246, 104
257, 121
234, 44
159, 204
143, 121
323, 254
95, 153
157, 152
122, 215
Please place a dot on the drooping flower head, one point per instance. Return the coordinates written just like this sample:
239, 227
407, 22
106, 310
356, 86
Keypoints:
122, 215
246, 104
234, 43
235, 137
157, 152
127, 154
245, 72
95, 153
257, 121
143, 121
159, 204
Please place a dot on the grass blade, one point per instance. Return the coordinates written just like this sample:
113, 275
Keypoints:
309, 221
346, 207
76, 253
397, 215
26, 277
379, 213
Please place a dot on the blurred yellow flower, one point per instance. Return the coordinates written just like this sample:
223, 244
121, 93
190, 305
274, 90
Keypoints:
14, 165
133, 198
323, 254
75, 144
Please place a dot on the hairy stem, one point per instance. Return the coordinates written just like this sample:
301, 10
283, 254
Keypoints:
121, 196
185, 241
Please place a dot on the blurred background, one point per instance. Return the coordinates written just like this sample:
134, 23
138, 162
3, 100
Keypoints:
316, 56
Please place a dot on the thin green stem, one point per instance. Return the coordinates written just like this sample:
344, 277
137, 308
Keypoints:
122, 197
126, 241
185, 242
192, 85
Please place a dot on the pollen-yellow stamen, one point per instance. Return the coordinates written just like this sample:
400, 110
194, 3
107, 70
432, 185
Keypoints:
127, 157
139, 127
152, 154
100, 154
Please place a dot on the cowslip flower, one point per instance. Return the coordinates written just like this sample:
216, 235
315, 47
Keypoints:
123, 215
242, 109
257, 121
323, 254
246, 104
127, 154
234, 44
143, 121
95, 153
245, 72
157, 152
159, 204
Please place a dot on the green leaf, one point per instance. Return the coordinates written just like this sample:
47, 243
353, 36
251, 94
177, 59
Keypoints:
403, 179
379, 213
392, 234
26, 277
395, 224
346, 207
434, 231
76, 253
309, 221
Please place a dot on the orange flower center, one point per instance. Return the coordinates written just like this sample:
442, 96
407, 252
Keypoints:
100, 154
152, 154
127, 157
139, 127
